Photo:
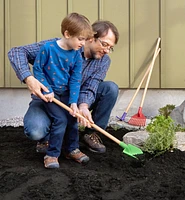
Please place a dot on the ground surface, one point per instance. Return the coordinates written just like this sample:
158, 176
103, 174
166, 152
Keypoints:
110, 176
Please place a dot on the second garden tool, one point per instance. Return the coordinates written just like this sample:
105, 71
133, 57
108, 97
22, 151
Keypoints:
122, 118
139, 119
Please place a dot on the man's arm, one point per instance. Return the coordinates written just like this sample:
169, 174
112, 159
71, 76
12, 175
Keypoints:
20, 58
90, 85
89, 89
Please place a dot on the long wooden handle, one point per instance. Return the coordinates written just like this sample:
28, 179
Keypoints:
150, 72
93, 125
138, 88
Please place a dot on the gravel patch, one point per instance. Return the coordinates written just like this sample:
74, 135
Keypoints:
18, 121
14, 122
114, 123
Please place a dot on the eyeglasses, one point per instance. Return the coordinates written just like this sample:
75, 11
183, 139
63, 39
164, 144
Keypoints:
106, 45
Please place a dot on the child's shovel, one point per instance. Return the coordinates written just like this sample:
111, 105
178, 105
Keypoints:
129, 149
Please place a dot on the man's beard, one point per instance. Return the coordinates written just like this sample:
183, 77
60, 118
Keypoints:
94, 55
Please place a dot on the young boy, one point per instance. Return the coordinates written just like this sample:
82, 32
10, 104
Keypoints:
58, 66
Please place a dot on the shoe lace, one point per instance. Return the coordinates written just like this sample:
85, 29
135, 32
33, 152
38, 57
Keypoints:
43, 144
95, 138
76, 151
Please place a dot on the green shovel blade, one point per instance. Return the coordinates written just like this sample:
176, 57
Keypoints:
130, 150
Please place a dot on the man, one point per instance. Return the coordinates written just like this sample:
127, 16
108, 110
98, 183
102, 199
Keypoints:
96, 99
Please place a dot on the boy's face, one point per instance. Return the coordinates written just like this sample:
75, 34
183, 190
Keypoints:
76, 42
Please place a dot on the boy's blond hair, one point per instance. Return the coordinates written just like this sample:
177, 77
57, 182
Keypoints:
77, 25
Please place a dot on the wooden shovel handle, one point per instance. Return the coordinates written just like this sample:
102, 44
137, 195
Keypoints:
93, 125
150, 72
138, 88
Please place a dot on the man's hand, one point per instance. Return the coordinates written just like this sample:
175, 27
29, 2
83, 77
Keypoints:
84, 111
35, 87
74, 109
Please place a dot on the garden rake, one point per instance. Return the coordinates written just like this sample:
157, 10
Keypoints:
122, 118
139, 119
129, 149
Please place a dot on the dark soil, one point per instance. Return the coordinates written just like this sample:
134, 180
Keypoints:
109, 176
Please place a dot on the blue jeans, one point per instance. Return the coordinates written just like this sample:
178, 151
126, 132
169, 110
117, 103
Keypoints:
62, 124
106, 97
37, 122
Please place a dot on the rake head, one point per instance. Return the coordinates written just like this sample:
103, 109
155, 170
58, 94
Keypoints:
138, 119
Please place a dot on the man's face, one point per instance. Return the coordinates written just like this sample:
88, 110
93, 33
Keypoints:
102, 46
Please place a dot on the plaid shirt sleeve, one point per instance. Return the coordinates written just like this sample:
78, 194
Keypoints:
20, 58
92, 78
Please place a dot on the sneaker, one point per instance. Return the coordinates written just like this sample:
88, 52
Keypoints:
42, 147
94, 143
78, 156
51, 162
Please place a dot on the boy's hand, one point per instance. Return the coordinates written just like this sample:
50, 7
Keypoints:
75, 109
49, 97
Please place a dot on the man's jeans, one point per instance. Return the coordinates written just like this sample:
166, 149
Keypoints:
37, 122
105, 100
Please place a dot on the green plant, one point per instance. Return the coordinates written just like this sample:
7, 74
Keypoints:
166, 110
81, 128
161, 135
179, 128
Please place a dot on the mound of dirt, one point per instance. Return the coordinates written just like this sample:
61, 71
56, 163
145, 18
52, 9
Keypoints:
109, 176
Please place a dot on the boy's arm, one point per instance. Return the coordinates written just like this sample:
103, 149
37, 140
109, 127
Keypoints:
75, 79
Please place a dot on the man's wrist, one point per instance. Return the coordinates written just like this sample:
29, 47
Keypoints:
25, 75
28, 78
83, 106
